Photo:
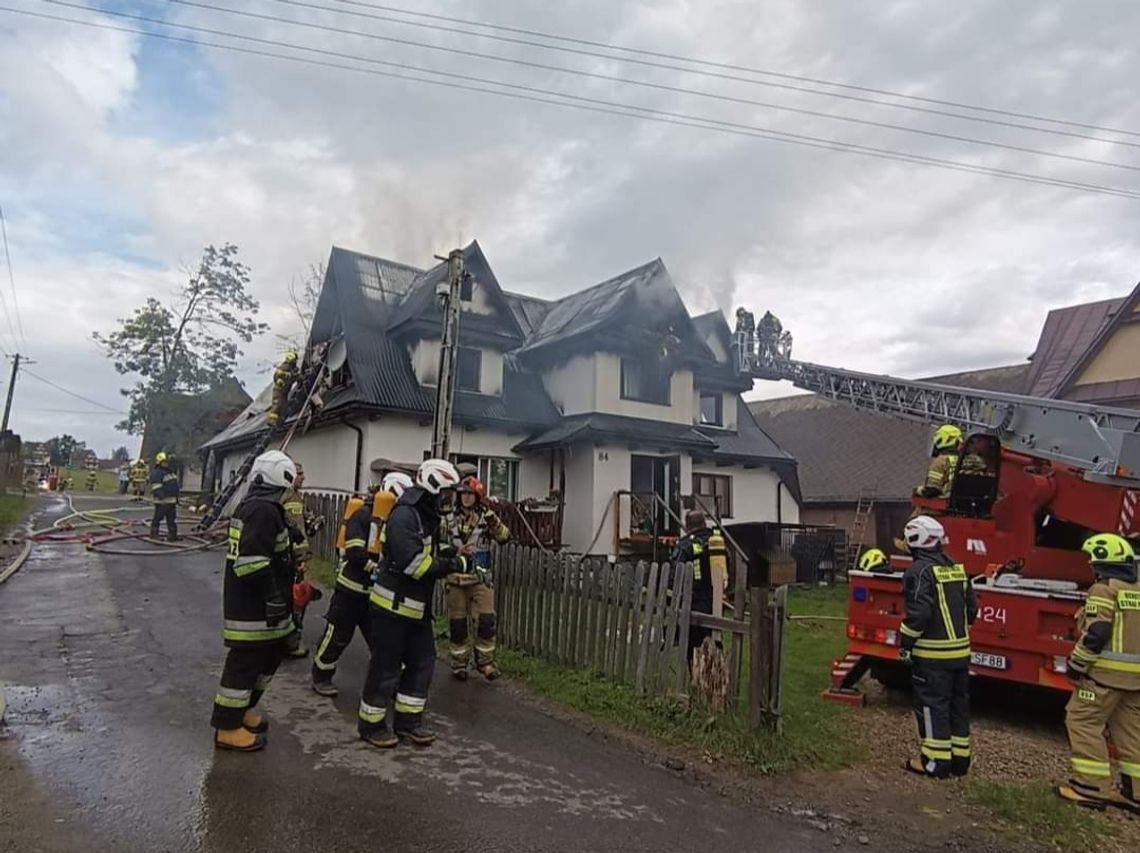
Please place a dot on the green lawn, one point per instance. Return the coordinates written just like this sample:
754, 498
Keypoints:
1034, 811
107, 481
12, 510
814, 734
321, 572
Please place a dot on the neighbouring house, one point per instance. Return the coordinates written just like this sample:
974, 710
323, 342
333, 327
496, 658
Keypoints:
611, 403
183, 422
1085, 353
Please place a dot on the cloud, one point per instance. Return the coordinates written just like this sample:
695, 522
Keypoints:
123, 157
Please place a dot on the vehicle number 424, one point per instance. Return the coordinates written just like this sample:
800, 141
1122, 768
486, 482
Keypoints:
990, 613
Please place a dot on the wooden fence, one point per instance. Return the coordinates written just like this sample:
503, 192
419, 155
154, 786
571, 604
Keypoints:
626, 621
330, 506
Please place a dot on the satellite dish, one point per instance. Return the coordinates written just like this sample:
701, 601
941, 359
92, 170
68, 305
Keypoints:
338, 355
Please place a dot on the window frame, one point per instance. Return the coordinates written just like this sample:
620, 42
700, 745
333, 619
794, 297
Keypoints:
723, 510
666, 383
719, 397
459, 360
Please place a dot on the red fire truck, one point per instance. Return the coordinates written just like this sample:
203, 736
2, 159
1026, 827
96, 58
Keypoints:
1054, 473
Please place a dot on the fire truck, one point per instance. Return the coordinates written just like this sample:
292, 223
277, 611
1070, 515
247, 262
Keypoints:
1053, 473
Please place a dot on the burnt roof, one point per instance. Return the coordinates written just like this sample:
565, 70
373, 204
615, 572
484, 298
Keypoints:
843, 452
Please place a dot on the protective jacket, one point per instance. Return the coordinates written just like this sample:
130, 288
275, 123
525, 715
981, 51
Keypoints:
164, 485
412, 557
940, 476
940, 608
295, 514
355, 575
257, 591
699, 548
1109, 625
476, 526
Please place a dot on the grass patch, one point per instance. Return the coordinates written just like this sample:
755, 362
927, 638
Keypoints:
814, 732
107, 482
12, 510
322, 571
1034, 811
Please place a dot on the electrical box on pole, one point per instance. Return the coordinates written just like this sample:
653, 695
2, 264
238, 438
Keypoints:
449, 302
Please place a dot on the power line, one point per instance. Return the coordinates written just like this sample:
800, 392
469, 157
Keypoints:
712, 64
12, 280
72, 411
71, 393
911, 107
596, 105
629, 81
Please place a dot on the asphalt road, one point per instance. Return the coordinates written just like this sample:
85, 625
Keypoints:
110, 665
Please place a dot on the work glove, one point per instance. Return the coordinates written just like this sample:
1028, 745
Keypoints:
905, 657
276, 611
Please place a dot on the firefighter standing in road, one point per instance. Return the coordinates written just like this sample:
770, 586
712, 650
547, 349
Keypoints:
1105, 668
704, 547
284, 376
349, 608
403, 642
935, 640
469, 594
943, 463
164, 491
139, 476
256, 603
92, 480
295, 514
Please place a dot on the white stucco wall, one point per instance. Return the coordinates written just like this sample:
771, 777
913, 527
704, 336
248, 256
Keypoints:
571, 385
753, 493
329, 456
491, 373
577, 524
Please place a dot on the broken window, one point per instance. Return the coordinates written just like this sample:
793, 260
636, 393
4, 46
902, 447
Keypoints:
468, 367
645, 381
712, 409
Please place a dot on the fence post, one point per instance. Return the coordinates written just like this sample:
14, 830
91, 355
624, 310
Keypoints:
763, 675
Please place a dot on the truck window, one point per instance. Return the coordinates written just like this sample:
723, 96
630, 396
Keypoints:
976, 479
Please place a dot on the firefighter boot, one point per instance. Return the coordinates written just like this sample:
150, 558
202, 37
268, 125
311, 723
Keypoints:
255, 722
489, 671
380, 736
323, 686
238, 740
1072, 793
416, 734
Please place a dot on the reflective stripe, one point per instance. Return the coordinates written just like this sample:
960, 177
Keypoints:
421, 563
385, 599
249, 631
351, 585
406, 704
909, 631
945, 608
371, 713
1117, 665
263, 682
932, 654
354, 543
230, 702
1091, 767
1103, 602
248, 565
927, 643
960, 747
324, 644
936, 754
1130, 768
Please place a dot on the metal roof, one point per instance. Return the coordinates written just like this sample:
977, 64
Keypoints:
1065, 337
529, 311
593, 426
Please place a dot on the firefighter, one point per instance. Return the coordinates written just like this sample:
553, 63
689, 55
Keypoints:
295, 514
704, 547
768, 332
139, 475
874, 560
944, 460
403, 642
92, 480
469, 594
1105, 669
284, 376
935, 641
348, 609
164, 490
255, 603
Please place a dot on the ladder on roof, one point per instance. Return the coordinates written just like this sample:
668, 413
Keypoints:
858, 538
295, 416
1103, 442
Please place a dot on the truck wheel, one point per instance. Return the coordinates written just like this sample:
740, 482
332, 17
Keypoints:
893, 676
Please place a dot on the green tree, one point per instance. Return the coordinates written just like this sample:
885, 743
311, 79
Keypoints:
190, 344
63, 448
121, 455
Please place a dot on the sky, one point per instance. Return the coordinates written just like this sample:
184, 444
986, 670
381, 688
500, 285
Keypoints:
122, 156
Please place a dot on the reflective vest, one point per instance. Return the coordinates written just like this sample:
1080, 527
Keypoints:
940, 607
1109, 626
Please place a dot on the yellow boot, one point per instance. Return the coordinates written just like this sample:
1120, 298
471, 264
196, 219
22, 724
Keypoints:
1079, 798
238, 740
255, 722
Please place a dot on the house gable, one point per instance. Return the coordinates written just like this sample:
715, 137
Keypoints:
1109, 369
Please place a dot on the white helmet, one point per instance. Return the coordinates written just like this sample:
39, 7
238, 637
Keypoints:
273, 468
396, 482
435, 475
922, 531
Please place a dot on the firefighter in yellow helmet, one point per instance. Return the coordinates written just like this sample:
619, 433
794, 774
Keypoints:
943, 463
874, 560
704, 547
284, 376
1105, 669
164, 489
139, 475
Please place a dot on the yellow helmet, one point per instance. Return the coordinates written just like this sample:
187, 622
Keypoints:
872, 559
160, 457
946, 437
1108, 548
290, 356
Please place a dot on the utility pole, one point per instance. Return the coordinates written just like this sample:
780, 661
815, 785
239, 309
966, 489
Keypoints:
11, 391
448, 295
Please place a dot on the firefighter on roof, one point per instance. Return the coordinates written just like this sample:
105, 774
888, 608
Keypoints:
1105, 668
284, 376
469, 594
403, 642
935, 640
348, 609
256, 603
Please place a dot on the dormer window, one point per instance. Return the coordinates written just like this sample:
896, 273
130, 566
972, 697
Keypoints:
712, 410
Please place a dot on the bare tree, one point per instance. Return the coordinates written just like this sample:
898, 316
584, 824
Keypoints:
303, 295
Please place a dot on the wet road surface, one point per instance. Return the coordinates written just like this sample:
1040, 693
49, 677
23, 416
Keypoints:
110, 666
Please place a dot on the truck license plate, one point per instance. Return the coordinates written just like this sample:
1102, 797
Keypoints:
987, 660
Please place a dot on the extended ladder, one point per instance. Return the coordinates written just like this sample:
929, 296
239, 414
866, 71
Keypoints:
1103, 442
858, 538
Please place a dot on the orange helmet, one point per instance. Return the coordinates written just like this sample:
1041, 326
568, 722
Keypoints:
473, 486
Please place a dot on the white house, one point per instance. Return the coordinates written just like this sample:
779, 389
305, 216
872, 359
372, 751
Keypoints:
601, 399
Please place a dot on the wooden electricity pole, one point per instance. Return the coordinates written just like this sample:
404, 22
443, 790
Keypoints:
448, 295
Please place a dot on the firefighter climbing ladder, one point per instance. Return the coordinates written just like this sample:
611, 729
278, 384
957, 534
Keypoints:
1103, 442
324, 364
863, 509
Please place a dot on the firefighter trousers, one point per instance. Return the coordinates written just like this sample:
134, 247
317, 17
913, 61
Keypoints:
402, 664
1092, 709
942, 708
167, 512
245, 676
464, 602
348, 611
